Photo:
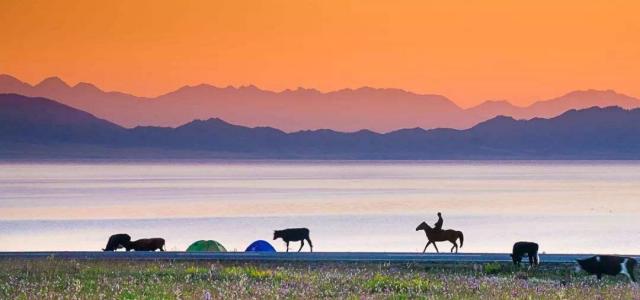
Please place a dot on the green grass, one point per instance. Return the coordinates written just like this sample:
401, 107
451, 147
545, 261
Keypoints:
52, 278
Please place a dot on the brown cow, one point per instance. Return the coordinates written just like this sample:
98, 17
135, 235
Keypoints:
152, 244
117, 241
294, 235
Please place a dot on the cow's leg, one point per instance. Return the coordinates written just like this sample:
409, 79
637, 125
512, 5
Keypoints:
425, 247
301, 245
599, 276
310, 244
624, 270
434, 245
531, 260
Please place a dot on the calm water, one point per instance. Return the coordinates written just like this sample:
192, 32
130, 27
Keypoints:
349, 206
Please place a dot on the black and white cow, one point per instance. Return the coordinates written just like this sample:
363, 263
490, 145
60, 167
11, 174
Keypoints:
608, 265
528, 248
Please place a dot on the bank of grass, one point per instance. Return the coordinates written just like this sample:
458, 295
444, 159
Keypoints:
52, 278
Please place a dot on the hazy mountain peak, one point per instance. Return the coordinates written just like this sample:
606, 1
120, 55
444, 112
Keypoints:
52, 82
215, 121
302, 90
8, 78
415, 130
495, 124
12, 84
592, 92
250, 87
496, 102
493, 104
594, 109
366, 131
208, 123
86, 87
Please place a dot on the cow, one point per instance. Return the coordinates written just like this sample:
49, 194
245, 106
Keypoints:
608, 265
117, 241
152, 244
294, 235
522, 248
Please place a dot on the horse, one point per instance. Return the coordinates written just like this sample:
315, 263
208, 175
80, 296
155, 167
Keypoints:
440, 236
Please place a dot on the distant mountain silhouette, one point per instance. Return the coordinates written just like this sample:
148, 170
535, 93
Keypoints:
380, 110
40, 120
42, 128
556, 106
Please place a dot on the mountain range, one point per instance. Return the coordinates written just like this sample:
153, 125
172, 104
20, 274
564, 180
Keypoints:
43, 128
379, 110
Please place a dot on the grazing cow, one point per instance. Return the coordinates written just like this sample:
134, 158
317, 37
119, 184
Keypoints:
522, 248
609, 265
294, 235
146, 245
117, 241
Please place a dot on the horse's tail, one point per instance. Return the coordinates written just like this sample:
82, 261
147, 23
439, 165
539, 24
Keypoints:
461, 236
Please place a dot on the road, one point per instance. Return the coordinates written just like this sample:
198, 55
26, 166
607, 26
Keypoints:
300, 257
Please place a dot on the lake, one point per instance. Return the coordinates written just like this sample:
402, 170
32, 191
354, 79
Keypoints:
565, 206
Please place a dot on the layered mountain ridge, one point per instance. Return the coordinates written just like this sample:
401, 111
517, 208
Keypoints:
379, 110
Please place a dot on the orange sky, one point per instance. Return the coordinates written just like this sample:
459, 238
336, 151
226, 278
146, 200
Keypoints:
469, 51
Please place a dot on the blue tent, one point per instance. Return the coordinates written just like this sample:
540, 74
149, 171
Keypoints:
260, 246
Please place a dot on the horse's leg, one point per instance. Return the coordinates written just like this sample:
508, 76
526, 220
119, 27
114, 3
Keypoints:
455, 246
287, 246
301, 245
434, 245
425, 247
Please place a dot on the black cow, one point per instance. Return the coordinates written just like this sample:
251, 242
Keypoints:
522, 248
152, 244
294, 235
117, 241
608, 265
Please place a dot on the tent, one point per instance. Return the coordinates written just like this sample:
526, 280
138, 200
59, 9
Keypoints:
260, 246
206, 246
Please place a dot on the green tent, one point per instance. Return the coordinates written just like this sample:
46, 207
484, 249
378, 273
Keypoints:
206, 246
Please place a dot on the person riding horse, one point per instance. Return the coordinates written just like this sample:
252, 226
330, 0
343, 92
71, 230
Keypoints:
438, 224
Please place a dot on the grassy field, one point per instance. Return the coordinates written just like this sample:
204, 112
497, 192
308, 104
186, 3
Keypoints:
52, 278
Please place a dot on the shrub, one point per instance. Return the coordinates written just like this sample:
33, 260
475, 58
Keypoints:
492, 268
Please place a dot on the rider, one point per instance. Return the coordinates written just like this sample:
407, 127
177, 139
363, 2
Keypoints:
438, 225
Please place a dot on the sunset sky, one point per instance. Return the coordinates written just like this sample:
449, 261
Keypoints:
469, 51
